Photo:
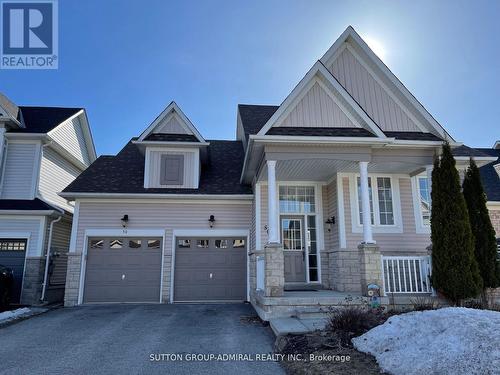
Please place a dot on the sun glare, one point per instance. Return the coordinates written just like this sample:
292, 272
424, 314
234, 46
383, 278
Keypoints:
376, 47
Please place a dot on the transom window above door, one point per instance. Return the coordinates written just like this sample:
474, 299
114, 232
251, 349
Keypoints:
297, 199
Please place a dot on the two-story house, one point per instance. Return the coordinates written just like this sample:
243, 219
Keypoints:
317, 198
42, 149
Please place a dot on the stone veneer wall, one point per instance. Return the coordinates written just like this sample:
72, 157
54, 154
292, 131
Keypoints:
344, 270
495, 220
72, 279
33, 279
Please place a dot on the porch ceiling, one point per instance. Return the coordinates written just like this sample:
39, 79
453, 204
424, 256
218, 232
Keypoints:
324, 169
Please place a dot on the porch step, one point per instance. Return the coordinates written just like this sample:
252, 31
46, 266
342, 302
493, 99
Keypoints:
302, 287
284, 326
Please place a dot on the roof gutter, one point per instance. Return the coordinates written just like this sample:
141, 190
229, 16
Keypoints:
29, 212
70, 195
168, 143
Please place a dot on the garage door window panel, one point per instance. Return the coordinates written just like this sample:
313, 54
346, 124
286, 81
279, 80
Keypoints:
12, 245
184, 244
221, 244
115, 243
153, 244
135, 244
202, 244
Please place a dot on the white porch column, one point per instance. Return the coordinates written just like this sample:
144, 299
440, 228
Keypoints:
272, 221
365, 203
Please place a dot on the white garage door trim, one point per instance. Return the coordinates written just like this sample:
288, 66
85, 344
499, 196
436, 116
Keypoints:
121, 233
208, 233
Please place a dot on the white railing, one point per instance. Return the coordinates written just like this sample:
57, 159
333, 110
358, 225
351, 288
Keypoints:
406, 274
260, 272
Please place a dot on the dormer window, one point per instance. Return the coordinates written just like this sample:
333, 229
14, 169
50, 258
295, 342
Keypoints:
172, 170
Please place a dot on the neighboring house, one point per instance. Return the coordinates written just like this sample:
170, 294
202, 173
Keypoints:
42, 149
490, 177
316, 199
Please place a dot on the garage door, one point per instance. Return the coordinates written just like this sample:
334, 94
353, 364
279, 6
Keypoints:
12, 255
123, 270
210, 269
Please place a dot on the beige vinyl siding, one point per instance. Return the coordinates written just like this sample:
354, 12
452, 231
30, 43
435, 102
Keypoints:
171, 125
263, 216
407, 242
189, 168
61, 234
55, 174
70, 136
20, 168
330, 208
30, 225
317, 109
372, 97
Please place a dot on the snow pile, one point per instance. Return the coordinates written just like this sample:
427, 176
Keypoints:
14, 314
446, 341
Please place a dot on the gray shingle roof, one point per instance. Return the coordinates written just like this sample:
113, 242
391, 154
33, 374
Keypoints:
43, 119
320, 132
124, 173
172, 137
25, 205
489, 176
469, 151
254, 117
413, 136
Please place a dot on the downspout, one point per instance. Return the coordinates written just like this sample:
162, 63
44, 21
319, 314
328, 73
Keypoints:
2, 147
47, 258
49, 244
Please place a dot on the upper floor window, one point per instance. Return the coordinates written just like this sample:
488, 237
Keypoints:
382, 210
297, 199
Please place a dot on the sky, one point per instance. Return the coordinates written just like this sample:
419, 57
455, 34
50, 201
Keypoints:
125, 61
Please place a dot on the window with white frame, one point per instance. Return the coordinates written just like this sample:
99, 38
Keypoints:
424, 199
382, 209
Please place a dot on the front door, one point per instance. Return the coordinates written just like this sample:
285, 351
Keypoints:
294, 248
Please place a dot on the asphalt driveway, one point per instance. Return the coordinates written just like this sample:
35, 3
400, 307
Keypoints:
121, 339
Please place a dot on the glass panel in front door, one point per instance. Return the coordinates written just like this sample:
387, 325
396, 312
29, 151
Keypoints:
292, 234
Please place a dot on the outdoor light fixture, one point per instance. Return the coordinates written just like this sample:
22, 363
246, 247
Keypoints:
211, 221
330, 222
124, 220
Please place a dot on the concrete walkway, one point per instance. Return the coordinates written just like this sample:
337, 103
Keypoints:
120, 339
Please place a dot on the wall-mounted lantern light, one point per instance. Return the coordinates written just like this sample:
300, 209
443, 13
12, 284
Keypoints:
124, 220
211, 221
330, 222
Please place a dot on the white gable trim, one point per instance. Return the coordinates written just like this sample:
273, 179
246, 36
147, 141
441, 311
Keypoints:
87, 135
172, 107
301, 89
332, 53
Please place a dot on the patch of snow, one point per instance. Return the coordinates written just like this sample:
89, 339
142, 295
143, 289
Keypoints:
451, 340
14, 314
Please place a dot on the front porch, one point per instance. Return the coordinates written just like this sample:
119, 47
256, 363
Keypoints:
349, 234
306, 304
